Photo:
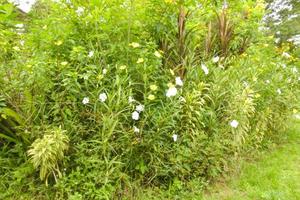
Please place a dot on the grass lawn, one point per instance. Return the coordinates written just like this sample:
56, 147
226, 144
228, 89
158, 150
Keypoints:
275, 176
272, 175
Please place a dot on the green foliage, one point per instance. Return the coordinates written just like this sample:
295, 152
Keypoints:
141, 97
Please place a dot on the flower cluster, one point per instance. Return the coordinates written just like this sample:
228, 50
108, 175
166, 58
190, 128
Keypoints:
136, 114
172, 91
102, 98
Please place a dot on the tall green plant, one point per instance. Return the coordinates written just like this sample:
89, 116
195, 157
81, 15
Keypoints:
46, 153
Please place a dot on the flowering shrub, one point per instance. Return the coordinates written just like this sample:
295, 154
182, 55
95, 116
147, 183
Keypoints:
144, 99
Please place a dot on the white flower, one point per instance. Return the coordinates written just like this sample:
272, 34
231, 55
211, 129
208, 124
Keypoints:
215, 59
91, 54
279, 91
175, 137
245, 84
80, 11
285, 54
19, 25
85, 76
289, 80
172, 91
182, 99
234, 123
85, 100
268, 82
297, 116
135, 115
104, 71
22, 42
225, 5
205, 69
135, 129
102, 97
131, 99
134, 44
140, 108
277, 40
283, 66
294, 70
178, 81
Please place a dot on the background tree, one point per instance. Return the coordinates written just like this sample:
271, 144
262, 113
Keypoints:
283, 17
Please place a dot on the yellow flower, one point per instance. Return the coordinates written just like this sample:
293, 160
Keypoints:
122, 67
134, 45
140, 60
172, 72
169, 1
170, 85
157, 54
64, 63
244, 54
45, 27
58, 43
151, 97
254, 79
153, 87
295, 111
257, 95
16, 48
260, 5
100, 76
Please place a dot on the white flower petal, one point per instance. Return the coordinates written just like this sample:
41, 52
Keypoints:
178, 81
131, 99
91, 54
172, 91
286, 55
135, 115
140, 108
279, 91
216, 59
102, 97
135, 129
294, 70
85, 100
234, 123
175, 137
80, 11
205, 69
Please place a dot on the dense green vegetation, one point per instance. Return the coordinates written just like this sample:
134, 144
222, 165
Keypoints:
102, 98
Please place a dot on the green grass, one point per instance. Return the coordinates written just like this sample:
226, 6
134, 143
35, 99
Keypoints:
275, 176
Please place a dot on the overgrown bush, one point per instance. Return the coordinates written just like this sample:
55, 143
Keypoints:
149, 93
